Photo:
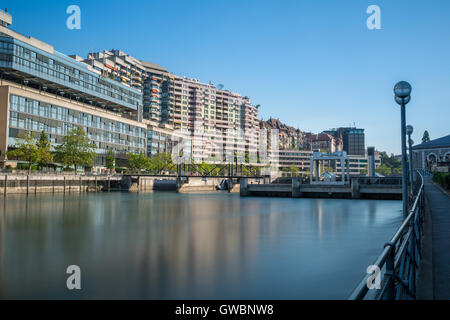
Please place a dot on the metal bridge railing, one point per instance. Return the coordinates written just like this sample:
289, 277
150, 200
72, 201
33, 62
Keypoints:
398, 263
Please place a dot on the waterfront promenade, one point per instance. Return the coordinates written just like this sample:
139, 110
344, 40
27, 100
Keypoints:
435, 274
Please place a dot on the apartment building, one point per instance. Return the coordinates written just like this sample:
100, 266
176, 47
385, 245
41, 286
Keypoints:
219, 123
288, 137
324, 142
117, 65
42, 89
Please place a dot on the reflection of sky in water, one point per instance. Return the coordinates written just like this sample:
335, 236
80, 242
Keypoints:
180, 246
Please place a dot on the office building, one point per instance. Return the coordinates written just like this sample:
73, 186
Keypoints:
353, 140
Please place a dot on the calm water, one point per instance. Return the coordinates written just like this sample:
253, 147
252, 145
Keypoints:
189, 246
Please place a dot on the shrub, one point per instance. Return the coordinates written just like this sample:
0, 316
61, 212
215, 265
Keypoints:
442, 178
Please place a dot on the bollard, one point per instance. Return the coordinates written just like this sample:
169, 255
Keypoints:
244, 187
354, 184
296, 188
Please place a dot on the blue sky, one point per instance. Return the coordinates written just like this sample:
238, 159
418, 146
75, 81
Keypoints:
312, 64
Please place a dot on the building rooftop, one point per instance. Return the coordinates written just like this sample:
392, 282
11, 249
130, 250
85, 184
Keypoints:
443, 142
5, 18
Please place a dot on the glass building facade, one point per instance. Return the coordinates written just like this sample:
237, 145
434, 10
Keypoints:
65, 71
31, 115
354, 141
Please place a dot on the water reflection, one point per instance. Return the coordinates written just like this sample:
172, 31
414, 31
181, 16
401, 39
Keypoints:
170, 246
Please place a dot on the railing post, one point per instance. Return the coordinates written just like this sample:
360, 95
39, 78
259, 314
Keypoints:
6, 184
390, 273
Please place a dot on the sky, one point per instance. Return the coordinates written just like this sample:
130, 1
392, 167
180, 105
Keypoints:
312, 64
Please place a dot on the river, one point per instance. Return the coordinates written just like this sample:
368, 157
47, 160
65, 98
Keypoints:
189, 246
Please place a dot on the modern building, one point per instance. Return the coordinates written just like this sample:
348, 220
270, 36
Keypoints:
432, 154
44, 90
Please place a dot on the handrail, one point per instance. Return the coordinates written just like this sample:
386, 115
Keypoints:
399, 257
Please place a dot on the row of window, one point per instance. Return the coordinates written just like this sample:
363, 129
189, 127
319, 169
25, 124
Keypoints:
37, 124
53, 68
38, 108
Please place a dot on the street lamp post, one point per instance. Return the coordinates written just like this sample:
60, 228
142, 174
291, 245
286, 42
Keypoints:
402, 92
411, 143
409, 131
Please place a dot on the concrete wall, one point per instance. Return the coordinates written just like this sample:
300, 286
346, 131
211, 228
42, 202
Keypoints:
23, 184
298, 190
198, 185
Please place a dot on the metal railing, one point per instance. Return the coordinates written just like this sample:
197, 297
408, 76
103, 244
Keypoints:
398, 263
379, 180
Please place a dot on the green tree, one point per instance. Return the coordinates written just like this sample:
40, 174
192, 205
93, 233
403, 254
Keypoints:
76, 149
27, 150
293, 169
110, 160
384, 169
426, 137
205, 168
138, 162
324, 169
161, 161
44, 150
392, 165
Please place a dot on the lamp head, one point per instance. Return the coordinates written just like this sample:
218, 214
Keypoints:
409, 129
402, 89
401, 101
